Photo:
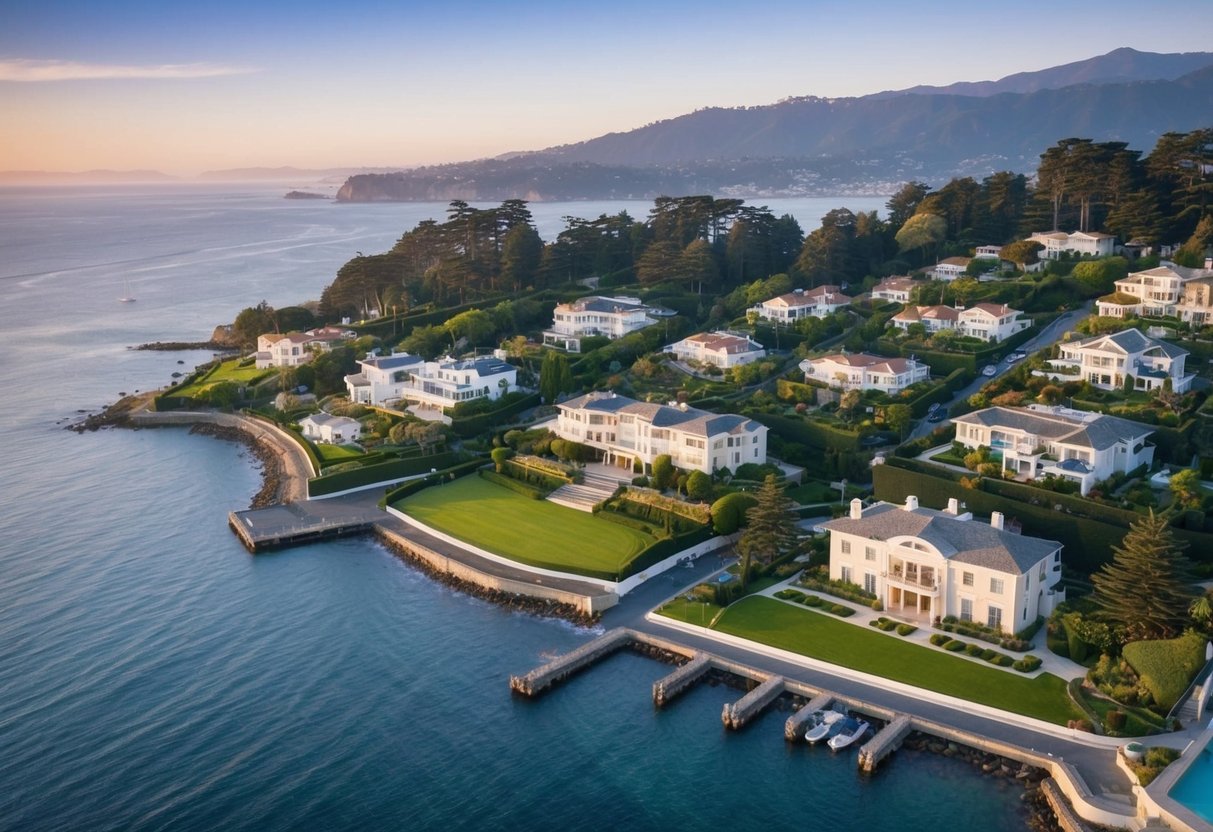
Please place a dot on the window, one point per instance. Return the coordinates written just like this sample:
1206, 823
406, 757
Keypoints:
846, 574
966, 609
996, 586
845, 547
994, 618
869, 582
869, 553
967, 579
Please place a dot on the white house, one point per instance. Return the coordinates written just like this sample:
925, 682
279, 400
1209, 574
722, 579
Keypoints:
720, 349
1085, 243
896, 289
950, 268
1158, 292
442, 384
628, 432
988, 253
1196, 303
284, 350
802, 303
1072, 444
934, 318
1105, 361
596, 315
861, 371
925, 564
333, 430
991, 322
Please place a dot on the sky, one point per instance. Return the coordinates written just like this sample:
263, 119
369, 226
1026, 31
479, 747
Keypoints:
185, 87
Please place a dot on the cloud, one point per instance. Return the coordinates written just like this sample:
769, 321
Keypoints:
23, 69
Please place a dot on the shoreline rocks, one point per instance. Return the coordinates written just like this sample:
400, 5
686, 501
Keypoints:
171, 346
272, 474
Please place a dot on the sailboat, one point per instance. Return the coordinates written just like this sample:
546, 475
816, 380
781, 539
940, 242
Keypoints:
127, 297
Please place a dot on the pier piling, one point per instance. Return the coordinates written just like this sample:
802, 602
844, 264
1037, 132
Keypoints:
737, 714
884, 743
542, 678
666, 689
794, 727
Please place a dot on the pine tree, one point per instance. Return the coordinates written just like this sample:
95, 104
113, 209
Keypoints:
1147, 587
770, 527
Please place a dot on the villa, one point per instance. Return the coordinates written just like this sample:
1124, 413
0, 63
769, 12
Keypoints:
439, 384
1168, 290
629, 433
925, 564
1084, 243
934, 318
333, 430
895, 289
862, 371
1106, 361
802, 303
719, 349
950, 268
991, 322
284, 350
988, 253
596, 316
1074, 445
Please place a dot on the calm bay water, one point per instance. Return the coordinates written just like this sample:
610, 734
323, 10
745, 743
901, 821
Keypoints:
155, 676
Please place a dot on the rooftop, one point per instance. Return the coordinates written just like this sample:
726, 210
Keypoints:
1090, 430
685, 419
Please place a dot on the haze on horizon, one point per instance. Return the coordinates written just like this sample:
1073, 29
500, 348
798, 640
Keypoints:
185, 89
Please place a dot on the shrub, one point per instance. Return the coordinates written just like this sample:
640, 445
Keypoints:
974, 649
1029, 632
877, 605
954, 646
1002, 660
790, 595
1027, 664
940, 639
840, 610
905, 629
812, 600
1166, 666
1115, 720
728, 513
988, 653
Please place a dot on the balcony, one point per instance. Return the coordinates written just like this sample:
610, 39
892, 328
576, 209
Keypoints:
925, 583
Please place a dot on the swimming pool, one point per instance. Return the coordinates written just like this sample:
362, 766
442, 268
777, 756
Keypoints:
1195, 787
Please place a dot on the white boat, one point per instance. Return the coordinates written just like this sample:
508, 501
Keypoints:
127, 297
845, 737
826, 724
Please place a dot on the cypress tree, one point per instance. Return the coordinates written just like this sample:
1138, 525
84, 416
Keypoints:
1147, 587
770, 527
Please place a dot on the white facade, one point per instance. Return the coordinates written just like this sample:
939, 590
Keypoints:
628, 431
951, 268
802, 303
276, 350
861, 371
934, 318
1033, 442
924, 564
988, 253
1168, 290
595, 316
896, 289
991, 322
1105, 361
332, 430
719, 349
441, 384
1084, 243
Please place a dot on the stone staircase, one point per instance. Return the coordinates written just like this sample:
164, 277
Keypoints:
594, 488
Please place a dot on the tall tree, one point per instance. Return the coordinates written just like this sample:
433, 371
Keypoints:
770, 527
1147, 587
904, 204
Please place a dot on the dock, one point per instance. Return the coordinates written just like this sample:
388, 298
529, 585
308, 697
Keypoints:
886, 741
289, 524
793, 729
666, 689
542, 678
737, 714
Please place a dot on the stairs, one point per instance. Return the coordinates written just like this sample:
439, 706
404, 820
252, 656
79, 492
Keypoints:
582, 496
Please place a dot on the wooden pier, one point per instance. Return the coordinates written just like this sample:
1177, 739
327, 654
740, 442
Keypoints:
793, 729
737, 714
666, 689
292, 524
884, 743
557, 670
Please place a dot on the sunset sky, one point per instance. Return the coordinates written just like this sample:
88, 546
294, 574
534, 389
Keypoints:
190, 87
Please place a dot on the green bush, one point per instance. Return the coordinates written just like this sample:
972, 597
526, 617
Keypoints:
974, 649
1002, 660
954, 646
940, 639
383, 472
624, 520
840, 610
728, 513
405, 489
790, 595
813, 601
906, 629
1027, 664
1167, 666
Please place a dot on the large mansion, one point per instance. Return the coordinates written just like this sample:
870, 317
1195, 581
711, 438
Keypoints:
1107, 360
987, 321
927, 564
719, 349
596, 316
802, 303
1086, 243
440, 384
1168, 290
628, 432
861, 371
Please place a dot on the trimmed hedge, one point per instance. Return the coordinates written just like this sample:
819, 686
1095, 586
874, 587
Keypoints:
790, 595
475, 425
906, 629
813, 601
808, 432
514, 485
940, 393
411, 487
624, 520
1167, 666
940, 639
381, 473
663, 549
1027, 664
841, 610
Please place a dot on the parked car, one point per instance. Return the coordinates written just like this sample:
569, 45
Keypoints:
989, 370
934, 406
937, 416
1015, 356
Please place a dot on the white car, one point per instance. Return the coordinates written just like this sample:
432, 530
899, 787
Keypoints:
989, 370
1015, 356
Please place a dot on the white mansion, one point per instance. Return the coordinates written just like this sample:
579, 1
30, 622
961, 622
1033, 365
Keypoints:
927, 564
628, 432
802, 303
595, 315
861, 371
720, 349
1106, 360
441, 384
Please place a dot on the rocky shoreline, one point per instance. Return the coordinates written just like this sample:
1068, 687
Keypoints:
173, 346
272, 474
519, 603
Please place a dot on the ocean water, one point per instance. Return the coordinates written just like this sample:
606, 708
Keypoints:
153, 675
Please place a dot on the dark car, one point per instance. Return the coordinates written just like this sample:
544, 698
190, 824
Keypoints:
937, 416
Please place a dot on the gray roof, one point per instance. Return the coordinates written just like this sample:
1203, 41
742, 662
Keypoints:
1098, 431
486, 366
597, 303
1129, 340
962, 541
391, 362
690, 420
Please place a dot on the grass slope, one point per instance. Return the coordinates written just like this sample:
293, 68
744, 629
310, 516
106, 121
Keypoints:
819, 636
534, 532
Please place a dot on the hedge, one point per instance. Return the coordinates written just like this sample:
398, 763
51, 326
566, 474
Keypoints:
841, 610
1167, 666
808, 432
514, 485
405, 489
663, 549
624, 520
940, 393
793, 391
381, 473
906, 629
532, 477
1027, 664
790, 595
470, 426
940, 639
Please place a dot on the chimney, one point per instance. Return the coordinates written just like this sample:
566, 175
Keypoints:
953, 506
911, 503
996, 519
856, 509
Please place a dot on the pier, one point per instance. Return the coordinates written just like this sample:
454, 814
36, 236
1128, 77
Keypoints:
289, 524
793, 729
884, 743
542, 678
666, 689
735, 715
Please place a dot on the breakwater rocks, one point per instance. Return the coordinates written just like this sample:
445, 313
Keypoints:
541, 607
1041, 816
272, 474
173, 346
115, 415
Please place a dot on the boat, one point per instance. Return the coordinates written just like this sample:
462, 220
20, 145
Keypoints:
127, 297
850, 733
824, 725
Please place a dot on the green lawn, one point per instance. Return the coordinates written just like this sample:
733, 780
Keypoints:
227, 371
809, 633
534, 532
336, 453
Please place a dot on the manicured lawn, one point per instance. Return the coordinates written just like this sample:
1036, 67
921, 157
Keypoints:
819, 636
534, 532
227, 371
336, 453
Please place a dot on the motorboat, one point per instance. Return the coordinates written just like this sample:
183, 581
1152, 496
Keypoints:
851, 732
826, 725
